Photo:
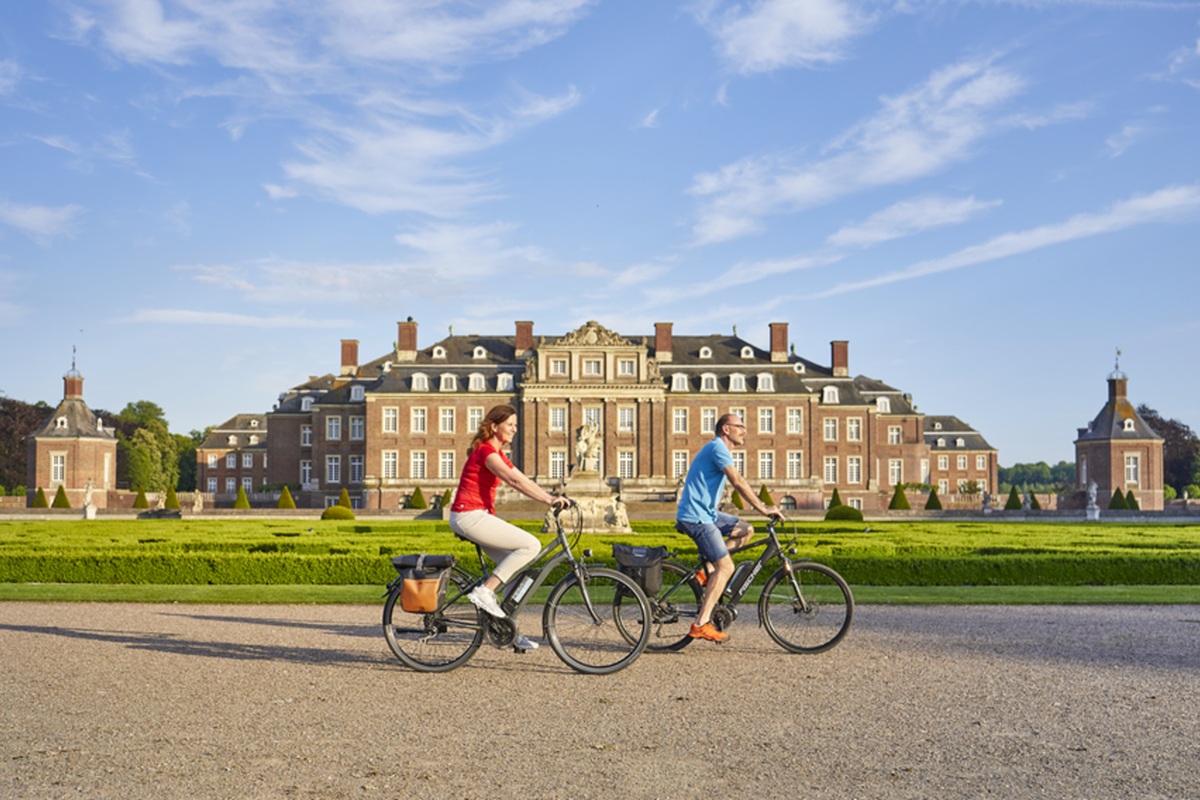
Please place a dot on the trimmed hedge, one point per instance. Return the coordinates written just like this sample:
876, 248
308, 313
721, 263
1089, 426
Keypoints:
60, 498
337, 511
844, 513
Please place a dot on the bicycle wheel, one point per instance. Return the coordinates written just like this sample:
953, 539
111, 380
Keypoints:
601, 646
672, 610
812, 622
439, 641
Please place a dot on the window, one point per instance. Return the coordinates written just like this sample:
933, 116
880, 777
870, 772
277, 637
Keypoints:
333, 428
306, 435
391, 465
943, 462
739, 461
474, 418
895, 471
448, 383
708, 382
420, 382
830, 428
766, 382
305, 473
747, 352
558, 464
679, 382
558, 366
855, 502
479, 352
625, 420
766, 465
937, 426
854, 429
439, 352
446, 469
58, 468
231, 441
740, 413
708, 420
894, 434
592, 416
357, 393
941, 442
60, 423
504, 382
737, 382
795, 465
706, 352
1132, 469
231, 460
795, 421
477, 383
253, 439
593, 367
829, 394
679, 463
416, 465
625, 468
247, 460
306, 404
960, 442
831, 469
962, 462
766, 420
943, 487
679, 420
1128, 425
212, 485
558, 419
358, 429
248, 485
231, 486
417, 420
264, 461
446, 420
212, 460
626, 367
980, 462
854, 469
333, 469
391, 420
356, 469
883, 405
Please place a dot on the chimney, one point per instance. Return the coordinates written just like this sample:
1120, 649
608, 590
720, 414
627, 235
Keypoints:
349, 356
663, 351
840, 353
524, 337
779, 341
1116, 389
406, 340
72, 385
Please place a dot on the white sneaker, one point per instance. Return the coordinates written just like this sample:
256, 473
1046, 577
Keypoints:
526, 644
485, 598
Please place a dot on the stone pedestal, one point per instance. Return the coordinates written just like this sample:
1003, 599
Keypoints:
1093, 513
603, 510
89, 511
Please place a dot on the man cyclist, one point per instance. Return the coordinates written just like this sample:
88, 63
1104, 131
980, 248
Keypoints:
698, 517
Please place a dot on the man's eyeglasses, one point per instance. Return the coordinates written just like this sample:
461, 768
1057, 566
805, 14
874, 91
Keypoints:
735, 425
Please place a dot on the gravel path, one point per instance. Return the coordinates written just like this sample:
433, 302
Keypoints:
167, 701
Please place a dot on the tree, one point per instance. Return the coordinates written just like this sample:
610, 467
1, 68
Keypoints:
970, 488
836, 500
417, 499
141, 412
172, 501
899, 501
1014, 500
17, 421
765, 495
285, 499
1181, 447
140, 501
185, 457
60, 498
447, 499
1033, 502
1193, 491
1117, 503
933, 503
153, 462
344, 498
1169, 492
242, 501
737, 500
39, 499
1131, 502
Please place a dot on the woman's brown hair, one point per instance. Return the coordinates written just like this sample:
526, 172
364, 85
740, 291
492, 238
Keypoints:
491, 420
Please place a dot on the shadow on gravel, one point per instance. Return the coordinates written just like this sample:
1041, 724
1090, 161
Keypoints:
338, 629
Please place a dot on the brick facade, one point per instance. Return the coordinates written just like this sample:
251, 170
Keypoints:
73, 449
1119, 450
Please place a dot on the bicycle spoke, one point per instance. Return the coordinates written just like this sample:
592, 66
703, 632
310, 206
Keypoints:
592, 646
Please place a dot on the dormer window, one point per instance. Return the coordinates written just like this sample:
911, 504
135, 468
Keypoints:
231, 440
449, 383
798, 368
960, 442
387, 367
883, 405
937, 426
60, 423
829, 394
439, 352
1129, 425
306, 404
477, 383
706, 352
504, 382
253, 423
941, 442
766, 382
479, 352
747, 352
708, 382
420, 382
357, 393
679, 382
737, 382
253, 439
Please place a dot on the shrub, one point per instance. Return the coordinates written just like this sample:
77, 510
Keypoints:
1193, 491
337, 512
1169, 492
39, 499
1117, 503
1131, 502
172, 500
899, 501
344, 498
1014, 500
417, 500
447, 498
285, 499
1033, 502
60, 498
242, 501
737, 500
140, 501
21, 491
843, 513
3, 491
932, 503
765, 496
836, 500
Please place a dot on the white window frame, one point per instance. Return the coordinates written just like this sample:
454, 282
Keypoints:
829, 429
557, 367
795, 420
231, 460
1133, 469
739, 461
212, 460
854, 469
231, 485
305, 473
474, 418
420, 382
592, 367
854, 429
679, 463
418, 465
558, 419
418, 420
306, 435
766, 382
356, 469
247, 460
333, 428
333, 469
358, 429
679, 382
448, 382
625, 419
446, 468
504, 382
961, 462
737, 382
390, 465
212, 485
476, 382
980, 462
679, 420
391, 419
830, 395
883, 405
830, 472
895, 471
58, 468
766, 465
766, 420
446, 419
357, 393
943, 463
627, 367
626, 464
795, 465
708, 382
895, 434
558, 464
708, 420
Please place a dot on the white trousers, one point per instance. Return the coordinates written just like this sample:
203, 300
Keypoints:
506, 544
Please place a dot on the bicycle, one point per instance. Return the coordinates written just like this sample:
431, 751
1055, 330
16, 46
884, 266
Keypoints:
588, 616
805, 607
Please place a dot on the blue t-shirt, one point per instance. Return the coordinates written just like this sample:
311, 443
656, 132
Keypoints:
704, 483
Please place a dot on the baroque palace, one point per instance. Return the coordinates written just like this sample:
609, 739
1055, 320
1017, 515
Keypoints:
403, 421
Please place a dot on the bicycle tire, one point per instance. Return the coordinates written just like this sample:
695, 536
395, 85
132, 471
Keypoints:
672, 610
439, 641
588, 646
813, 622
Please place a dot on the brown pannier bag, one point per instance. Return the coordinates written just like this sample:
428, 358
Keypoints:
423, 580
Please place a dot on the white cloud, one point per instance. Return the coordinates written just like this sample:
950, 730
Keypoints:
909, 217
41, 223
180, 316
10, 76
1165, 205
650, 120
768, 35
1121, 141
913, 135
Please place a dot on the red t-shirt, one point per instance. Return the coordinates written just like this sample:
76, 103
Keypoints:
477, 486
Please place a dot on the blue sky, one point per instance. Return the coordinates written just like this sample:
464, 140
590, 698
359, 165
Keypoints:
985, 198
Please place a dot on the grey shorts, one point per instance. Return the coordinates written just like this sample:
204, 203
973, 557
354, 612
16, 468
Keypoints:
710, 536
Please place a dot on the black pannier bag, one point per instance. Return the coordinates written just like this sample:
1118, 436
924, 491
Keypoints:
642, 563
423, 581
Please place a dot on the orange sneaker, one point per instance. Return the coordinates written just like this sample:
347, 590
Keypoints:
701, 577
707, 631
